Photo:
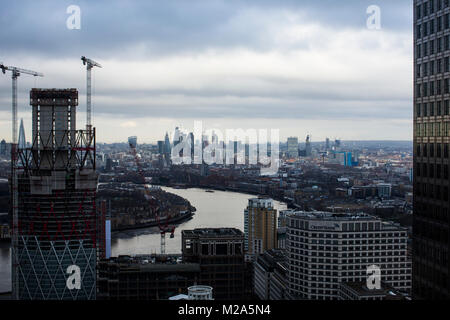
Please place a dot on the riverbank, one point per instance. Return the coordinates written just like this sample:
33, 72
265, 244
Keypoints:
177, 220
182, 186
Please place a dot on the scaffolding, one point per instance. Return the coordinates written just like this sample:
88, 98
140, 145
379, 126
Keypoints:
58, 223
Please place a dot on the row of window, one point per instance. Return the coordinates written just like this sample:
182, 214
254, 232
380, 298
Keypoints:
424, 229
434, 25
433, 46
431, 170
430, 7
432, 149
432, 129
433, 67
433, 88
432, 191
432, 109
430, 211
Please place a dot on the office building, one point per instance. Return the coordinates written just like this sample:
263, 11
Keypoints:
167, 147
132, 141
220, 254
431, 278
384, 190
22, 144
308, 147
161, 147
57, 223
260, 226
141, 277
326, 249
270, 275
292, 147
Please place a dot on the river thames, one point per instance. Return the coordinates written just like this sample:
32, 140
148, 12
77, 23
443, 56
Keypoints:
214, 209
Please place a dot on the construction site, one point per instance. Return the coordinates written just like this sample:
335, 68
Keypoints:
57, 231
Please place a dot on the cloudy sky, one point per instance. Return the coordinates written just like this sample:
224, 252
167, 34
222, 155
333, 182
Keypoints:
301, 66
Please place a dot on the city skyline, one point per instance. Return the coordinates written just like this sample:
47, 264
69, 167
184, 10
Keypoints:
230, 65
227, 150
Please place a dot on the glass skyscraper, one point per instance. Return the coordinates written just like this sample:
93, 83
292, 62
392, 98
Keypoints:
431, 149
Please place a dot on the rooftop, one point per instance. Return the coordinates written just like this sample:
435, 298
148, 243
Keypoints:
213, 232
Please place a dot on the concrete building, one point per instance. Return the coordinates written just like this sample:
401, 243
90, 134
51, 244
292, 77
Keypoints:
431, 278
57, 223
270, 275
292, 147
326, 249
154, 277
260, 226
384, 190
220, 254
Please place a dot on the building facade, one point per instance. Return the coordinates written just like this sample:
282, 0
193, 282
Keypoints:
326, 249
292, 147
431, 149
220, 254
55, 227
270, 275
260, 226
157, 277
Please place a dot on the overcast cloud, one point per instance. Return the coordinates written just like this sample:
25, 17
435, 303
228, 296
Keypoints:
305, 67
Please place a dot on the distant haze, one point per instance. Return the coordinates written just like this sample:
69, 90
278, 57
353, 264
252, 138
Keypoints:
305, 67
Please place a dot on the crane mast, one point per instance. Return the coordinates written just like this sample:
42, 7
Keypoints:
89, 63
15, 73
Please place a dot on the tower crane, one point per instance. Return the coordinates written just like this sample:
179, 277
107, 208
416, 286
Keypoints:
89, 65
15, 73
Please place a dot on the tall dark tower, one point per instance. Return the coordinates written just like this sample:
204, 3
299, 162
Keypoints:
431, 149
55, 240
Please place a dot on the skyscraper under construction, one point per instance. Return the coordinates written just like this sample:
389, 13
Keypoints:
55, 221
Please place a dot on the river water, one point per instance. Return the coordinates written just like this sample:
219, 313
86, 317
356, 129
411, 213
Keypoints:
217, 209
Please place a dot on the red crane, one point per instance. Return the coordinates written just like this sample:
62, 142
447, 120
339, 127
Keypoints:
163, 226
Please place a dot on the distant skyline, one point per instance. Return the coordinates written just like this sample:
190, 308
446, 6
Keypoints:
305, 67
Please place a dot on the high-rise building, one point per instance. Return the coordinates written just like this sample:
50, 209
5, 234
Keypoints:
3, 148
326, 249
161, 147
308, 148
22, 138
260, 226
55, 242
167, 148
431, 228
132, 141
292, 147
220, 254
